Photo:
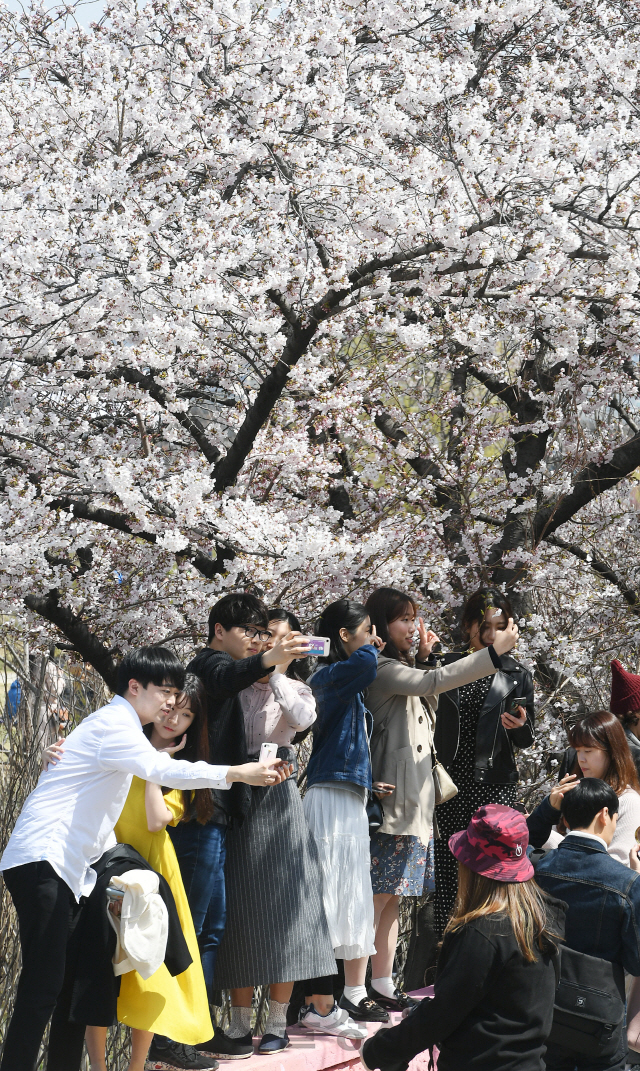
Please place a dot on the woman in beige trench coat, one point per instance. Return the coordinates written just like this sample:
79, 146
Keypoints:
402, 702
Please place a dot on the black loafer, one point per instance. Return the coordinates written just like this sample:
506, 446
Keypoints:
226, 1048
399, 1002
367, 1011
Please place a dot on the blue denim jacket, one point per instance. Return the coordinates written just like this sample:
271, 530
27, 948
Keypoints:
340, 734
603, 897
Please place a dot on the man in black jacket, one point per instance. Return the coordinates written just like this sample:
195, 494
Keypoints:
233, 660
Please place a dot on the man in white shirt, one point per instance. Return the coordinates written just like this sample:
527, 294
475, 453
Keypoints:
67, 823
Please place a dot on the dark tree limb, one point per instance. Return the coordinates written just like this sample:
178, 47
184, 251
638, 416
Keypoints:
592, 481
156, 391
599, 567
83, 640
86, 511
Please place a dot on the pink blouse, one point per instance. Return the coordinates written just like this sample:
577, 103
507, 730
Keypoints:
276, 711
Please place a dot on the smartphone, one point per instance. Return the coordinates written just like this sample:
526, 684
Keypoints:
268, 752
113, 893
519, 701
318, 645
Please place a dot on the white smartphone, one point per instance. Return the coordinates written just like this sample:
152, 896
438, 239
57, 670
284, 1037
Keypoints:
318, 645
268, 752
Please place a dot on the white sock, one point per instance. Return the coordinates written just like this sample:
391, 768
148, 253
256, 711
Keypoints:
240, 1023
384, 986
355, 993
277, 1020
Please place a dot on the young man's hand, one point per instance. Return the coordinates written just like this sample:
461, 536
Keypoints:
259, 774
506, 639
284, 652
634, 862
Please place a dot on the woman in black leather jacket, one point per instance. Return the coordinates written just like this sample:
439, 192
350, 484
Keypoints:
475, 738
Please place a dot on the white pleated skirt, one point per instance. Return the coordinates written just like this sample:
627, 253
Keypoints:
338, 821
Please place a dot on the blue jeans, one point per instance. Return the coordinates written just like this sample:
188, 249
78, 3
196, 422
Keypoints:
201, 854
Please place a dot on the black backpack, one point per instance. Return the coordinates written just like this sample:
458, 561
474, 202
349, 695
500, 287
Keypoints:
589, 1003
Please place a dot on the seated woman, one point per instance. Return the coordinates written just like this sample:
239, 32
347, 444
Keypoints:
493, 1002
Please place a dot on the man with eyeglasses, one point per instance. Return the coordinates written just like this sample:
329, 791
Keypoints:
233, 660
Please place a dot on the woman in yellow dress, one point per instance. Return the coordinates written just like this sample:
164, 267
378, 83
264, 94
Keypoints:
173, 1007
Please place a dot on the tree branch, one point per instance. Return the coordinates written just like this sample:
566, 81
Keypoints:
88, 646
86, 511
159, 394
588, 484
599, 567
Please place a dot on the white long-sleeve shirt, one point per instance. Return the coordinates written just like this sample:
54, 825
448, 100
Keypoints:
69, 817
276, 711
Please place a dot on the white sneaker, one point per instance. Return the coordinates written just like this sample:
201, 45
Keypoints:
338, 1022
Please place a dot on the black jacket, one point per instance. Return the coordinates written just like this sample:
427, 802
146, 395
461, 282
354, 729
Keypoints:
95, 988
491, 1010
224, 678
495, 761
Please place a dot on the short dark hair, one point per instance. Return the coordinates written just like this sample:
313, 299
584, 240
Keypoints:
150, 665
581, 805
344, 613
237, 608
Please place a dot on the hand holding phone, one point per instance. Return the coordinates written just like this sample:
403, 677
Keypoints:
268, 753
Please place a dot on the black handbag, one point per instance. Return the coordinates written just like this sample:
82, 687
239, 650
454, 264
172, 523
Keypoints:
375, 813
589, 1003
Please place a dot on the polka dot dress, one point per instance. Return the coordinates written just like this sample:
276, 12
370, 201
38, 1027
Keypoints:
457, 813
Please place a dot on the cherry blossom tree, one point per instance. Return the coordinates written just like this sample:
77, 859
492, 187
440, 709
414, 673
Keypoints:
318, 296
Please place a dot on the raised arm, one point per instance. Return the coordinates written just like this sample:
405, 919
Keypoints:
295, 700
223, 676
354, 674
397, 679
129, 751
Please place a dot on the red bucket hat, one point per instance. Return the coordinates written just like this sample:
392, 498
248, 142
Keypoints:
625, 690
494, 844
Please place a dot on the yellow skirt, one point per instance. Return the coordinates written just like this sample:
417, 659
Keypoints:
175, 1007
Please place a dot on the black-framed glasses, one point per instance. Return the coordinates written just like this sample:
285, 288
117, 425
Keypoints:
255, 633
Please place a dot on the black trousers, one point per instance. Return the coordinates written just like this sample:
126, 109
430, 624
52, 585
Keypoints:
47, 913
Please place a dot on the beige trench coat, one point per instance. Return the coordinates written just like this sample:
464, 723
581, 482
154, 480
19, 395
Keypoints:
403, 734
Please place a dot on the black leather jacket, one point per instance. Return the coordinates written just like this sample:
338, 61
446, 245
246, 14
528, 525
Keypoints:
495, 761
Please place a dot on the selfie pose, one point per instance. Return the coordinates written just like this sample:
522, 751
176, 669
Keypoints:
401, 701
276, 929
477, 729
66, 825
339, 780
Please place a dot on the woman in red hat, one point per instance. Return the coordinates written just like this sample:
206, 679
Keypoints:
493, 1001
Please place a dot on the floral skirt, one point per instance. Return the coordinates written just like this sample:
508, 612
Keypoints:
401, 865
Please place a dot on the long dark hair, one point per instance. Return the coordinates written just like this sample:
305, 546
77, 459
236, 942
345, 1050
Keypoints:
524, 903
384, 606
476, 605
345, 613
300, 668
198, 803
602, 729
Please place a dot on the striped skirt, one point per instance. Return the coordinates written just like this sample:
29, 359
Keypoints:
276, 926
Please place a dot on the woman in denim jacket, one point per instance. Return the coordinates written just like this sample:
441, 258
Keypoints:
339, 782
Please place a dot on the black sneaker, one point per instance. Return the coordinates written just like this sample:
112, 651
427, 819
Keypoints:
166, 1055
366, 1011
399, 1002
227, 1048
